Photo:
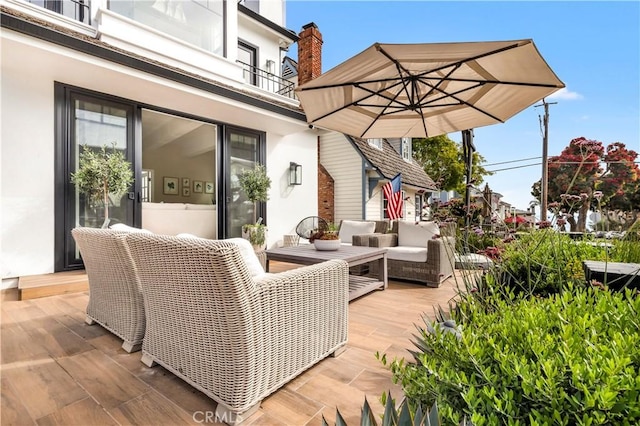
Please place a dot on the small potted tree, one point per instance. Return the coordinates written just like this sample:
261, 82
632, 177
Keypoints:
255, 183
101, 173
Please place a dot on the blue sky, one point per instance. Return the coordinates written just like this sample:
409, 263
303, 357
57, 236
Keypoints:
593, 47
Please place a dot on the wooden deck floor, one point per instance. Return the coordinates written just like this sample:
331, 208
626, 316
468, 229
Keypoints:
57, 370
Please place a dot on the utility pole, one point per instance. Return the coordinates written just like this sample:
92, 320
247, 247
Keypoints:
545, 169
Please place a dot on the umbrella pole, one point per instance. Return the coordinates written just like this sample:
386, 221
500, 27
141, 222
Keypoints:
468, 150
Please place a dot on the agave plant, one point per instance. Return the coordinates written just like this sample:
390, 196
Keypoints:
403, 415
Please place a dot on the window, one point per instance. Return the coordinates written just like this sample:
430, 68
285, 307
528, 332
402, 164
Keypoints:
406, 149
74, 9
248, 57
253, 5
376, 143
199, 22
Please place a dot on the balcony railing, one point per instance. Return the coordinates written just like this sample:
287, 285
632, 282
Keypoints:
267, 81
80, 10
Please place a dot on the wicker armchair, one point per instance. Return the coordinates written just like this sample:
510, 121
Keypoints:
430, 264
232, 337
115, 300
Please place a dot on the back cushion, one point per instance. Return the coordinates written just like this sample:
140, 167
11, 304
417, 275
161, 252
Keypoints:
349, 228
126, 228
249, 255
416, 235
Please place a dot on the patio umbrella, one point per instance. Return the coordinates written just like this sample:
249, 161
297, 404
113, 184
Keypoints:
429, 89
424, 90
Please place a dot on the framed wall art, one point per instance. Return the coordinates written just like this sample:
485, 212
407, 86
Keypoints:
198, 186
186, 183
170, 185
208, 187
186, 191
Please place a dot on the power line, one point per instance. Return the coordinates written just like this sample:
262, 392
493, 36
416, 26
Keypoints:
512, 161
516, 167
558, 162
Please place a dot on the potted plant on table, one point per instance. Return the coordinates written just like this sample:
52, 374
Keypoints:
326, 239
255, 183
101, 173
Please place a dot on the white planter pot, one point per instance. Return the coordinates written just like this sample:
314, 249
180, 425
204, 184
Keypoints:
326, 245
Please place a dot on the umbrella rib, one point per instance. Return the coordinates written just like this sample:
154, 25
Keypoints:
473, 58
356, 103
463, 102
381, 113
471, 80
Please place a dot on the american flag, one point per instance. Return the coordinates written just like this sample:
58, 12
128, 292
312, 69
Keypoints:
393, 193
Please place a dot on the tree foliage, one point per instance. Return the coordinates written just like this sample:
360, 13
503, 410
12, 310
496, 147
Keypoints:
576, 177
101, 173
442, 159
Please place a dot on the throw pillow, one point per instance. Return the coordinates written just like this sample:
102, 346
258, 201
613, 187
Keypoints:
249, 256
416, 234
349, 228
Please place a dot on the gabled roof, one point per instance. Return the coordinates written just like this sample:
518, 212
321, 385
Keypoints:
289, 67
389, 163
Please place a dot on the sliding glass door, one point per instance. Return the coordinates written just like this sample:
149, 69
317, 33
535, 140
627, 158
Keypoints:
88, 123
243, 149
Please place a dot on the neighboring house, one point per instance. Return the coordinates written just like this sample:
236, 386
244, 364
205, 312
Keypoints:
192, 92
359, 169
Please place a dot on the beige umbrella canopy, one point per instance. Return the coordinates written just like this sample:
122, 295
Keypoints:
424, 90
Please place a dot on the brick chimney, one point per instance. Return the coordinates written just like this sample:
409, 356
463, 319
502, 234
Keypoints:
309, 53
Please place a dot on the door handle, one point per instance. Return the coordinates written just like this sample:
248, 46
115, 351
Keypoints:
131, 195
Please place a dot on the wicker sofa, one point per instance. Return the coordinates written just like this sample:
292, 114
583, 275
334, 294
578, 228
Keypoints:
115, 300
231, 335
422, 252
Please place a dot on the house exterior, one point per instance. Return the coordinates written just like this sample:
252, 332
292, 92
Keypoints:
191, 92
360, 168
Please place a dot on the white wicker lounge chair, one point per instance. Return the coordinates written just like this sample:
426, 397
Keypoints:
115, 300
233, 337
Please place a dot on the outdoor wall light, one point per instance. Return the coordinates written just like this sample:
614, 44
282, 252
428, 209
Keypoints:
295, 174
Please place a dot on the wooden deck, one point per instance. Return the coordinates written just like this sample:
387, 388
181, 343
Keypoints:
56, 369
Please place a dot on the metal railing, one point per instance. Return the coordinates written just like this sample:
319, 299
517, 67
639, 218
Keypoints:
267, 81
80, 10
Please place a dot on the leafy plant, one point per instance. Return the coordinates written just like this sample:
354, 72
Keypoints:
330, 232
101, 173
569, 359
403, 415
256, 184
257, 233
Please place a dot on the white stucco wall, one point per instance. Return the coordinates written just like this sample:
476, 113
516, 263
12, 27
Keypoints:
288, 204
29, 69
27, 181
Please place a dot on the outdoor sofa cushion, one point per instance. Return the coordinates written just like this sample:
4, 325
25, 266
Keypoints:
407, 253
349, 228
416, 234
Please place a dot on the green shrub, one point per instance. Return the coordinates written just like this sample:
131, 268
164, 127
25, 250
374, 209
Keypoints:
570, 359
543, 263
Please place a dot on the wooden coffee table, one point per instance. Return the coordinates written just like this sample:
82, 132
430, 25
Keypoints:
306, 254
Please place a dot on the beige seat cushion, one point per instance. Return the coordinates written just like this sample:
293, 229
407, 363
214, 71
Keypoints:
407, 254
349, 228
413, 234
